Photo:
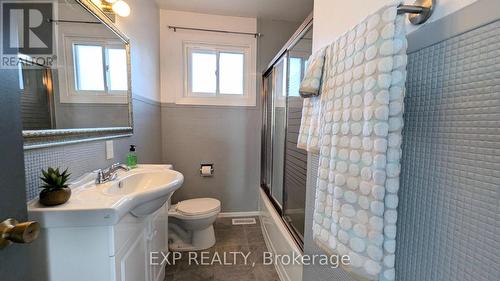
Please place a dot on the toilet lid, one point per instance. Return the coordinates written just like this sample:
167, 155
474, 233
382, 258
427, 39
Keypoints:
198, 206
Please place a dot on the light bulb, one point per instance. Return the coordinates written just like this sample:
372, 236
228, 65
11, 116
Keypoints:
121, 8
110, 1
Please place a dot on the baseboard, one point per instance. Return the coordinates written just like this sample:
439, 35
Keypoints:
239, 214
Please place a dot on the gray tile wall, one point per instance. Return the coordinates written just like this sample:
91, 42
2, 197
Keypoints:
448, 227
448, 222
89, 156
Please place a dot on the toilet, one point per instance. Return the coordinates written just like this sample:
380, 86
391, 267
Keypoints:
190, 224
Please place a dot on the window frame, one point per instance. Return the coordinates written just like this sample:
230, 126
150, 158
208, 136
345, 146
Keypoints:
71, 94
248, 98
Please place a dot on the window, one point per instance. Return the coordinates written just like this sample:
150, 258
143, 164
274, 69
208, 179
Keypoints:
231, 73
218, 75
97, 71
117, 69
100, 68
215, 72
203, 73
89, 68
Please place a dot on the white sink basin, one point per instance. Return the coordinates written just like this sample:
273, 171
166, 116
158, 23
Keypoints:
140, 192
142, 181
148, 185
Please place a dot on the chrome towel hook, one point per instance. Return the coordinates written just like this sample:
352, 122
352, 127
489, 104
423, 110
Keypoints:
419, 12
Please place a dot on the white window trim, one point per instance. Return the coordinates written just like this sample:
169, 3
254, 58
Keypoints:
249, 89
67, 87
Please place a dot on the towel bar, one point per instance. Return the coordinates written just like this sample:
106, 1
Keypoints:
419, 12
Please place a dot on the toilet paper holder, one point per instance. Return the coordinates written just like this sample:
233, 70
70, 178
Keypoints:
207, 170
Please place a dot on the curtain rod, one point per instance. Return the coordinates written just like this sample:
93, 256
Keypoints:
214, 30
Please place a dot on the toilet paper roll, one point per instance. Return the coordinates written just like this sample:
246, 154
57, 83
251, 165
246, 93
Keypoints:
206, 171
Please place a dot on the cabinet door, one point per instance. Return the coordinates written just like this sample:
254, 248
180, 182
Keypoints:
158, 242
131, 262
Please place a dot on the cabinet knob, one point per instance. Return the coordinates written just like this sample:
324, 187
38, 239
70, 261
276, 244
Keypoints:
11, 231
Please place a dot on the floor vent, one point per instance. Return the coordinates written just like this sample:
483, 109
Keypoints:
242, 221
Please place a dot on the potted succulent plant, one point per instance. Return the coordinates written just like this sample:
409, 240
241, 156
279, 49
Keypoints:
55, 189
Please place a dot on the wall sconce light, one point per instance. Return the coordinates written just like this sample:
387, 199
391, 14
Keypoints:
118, 7
121, 8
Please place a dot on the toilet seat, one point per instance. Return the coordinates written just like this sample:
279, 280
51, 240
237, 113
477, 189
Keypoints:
198, 206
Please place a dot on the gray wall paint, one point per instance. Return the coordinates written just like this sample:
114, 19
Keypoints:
448, 212
275, 35
85, 157
229, 137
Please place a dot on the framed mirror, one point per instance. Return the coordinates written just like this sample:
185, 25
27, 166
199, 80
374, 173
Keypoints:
84, 92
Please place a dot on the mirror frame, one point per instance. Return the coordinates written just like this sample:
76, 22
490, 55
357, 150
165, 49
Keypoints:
34, 139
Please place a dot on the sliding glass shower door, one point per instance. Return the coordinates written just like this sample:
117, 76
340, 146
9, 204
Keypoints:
279, 130
284, 166
295, 166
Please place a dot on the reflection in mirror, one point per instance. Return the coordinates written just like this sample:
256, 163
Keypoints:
37, 99
88, 83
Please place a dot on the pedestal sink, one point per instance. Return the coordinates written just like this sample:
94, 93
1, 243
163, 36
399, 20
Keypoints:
140, 191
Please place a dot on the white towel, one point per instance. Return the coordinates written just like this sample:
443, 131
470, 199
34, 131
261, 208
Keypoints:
309, 125
359, 139
311, 110
311, 84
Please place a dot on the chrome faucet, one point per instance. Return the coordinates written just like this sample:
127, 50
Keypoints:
109, 174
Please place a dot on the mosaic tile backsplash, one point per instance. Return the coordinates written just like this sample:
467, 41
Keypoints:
448, 227
81, 158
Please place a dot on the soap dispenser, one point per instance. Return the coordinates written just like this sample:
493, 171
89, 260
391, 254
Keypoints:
132, 157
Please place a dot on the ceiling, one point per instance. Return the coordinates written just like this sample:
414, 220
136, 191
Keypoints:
288, 10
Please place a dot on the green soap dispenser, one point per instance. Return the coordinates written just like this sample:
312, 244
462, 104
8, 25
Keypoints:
132, 157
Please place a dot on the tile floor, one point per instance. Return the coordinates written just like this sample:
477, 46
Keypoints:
230, 238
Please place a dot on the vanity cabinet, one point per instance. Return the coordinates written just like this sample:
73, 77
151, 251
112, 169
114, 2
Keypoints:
158, 242
119, 252
131, 263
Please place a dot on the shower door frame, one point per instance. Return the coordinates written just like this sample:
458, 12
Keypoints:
266, 183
